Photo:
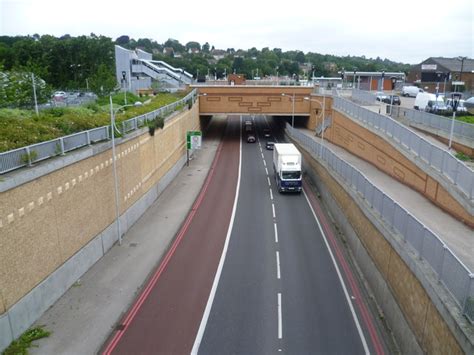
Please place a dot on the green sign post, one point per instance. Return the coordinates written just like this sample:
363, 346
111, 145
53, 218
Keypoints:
193, 141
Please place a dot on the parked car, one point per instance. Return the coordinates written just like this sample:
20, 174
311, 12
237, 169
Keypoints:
266, 132
469, 105
392, 99
251, 138
436, 107
60, 95
380, 96
461, 109
270, 145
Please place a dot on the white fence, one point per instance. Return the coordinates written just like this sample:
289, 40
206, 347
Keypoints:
17, 158
455, 276
441, 160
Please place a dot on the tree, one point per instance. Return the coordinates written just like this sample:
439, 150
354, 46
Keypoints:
122, 40
103, 81
205, 47
300, 58
193, 45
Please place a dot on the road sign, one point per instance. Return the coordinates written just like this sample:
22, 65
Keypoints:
193, 139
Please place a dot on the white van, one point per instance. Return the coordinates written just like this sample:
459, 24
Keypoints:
427, 102
411, 91
460, 109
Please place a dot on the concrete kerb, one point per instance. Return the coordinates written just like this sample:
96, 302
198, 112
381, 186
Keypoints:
439, 295
420, 163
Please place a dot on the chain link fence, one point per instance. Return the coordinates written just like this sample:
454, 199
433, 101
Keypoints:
450, 271
26, 156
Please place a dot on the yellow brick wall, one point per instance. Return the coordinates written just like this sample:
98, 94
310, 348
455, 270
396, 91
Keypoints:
429, 327
46, 221
361, 142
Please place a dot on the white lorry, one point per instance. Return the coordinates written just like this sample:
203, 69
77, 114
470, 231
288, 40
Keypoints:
287, 167
411, 91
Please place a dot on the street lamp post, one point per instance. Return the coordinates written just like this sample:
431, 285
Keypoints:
34, 93
323, 113
293, 111
456, 96
462, 67
114, 158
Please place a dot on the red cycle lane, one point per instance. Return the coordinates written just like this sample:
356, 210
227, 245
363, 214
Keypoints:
166, 316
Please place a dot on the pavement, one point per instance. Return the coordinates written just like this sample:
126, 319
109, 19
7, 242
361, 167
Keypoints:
83, 318
457, 236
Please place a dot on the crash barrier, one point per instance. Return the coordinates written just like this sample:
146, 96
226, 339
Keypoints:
449, 270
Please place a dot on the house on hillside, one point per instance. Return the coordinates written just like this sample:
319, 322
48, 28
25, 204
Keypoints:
218, 54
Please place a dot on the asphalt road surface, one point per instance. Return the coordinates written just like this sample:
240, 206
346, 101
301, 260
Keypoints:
280, 284
279, 290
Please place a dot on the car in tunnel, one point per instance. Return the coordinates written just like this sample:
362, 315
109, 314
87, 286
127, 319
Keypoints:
270, 145
251, 138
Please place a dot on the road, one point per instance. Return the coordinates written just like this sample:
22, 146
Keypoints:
279, 290
280, 285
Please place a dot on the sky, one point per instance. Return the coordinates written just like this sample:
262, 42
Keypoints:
407, 31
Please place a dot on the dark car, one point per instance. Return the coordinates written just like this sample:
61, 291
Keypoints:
270, 145
266, 132
395, 98
250, 138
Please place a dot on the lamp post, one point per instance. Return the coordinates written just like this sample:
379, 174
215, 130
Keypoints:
34, 93
456, 96
323, 113
462, 67
112, 128
293, 111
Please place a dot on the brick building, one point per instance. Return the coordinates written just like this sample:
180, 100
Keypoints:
456, 73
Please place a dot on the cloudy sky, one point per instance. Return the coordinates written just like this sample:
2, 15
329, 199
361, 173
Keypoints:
407, 31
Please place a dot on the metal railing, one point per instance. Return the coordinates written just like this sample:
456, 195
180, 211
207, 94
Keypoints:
454, 275
26, 156
364, 97
441, 160
460, 129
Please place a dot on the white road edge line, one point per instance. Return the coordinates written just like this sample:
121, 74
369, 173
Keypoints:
273, 210
278, 265
276, 232
271, 194
354, 315
212, 294
280, 323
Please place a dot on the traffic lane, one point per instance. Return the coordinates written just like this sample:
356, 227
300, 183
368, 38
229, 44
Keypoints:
168, 319
367, 321
316, 316
243, 318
